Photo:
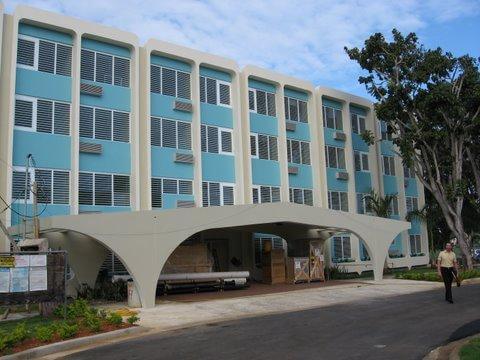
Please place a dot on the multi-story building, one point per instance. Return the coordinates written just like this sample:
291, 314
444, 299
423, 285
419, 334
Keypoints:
115, 126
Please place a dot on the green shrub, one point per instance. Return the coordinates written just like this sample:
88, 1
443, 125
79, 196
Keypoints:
471, 350
114, 318
102, 313
19, 334
3, 341
92, 322
133, 319
66, 331
78, 308
44, 333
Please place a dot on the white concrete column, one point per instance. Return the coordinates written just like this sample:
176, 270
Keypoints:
321, 164
135, 91
238, 145
314, 122
245, 138
349, 159
75, 122
196, 138
144, 125
282, 143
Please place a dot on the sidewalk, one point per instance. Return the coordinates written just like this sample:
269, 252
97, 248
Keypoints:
169, 315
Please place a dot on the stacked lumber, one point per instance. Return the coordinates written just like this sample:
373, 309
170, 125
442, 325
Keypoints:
274, 266
189, 259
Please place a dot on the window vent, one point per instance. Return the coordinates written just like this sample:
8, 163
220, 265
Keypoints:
185, 204
89, 89
293, 170
90, 148
338, 135
342, 175
184, 158
291, 126
182, 106
89, 212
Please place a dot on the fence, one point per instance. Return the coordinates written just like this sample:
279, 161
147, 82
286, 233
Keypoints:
33, 277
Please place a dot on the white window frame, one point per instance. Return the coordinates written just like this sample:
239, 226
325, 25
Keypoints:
388, 137
287, 111
161, 178
291, 193
300, 150
415, 236
255, 101
362, 163
111, 112
342, 237
222, 185
112, 189
220, 151
357, 120
413, 200
389, 165
364, 206
31, 172
329, 196
176, 81
176, 131
260, 195
34, 100
337, 149
324, 107
113, 67
257, 147
217, 85
35, 52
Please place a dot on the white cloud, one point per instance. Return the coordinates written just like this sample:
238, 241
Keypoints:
299, 38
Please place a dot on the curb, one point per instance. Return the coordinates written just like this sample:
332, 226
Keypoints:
450, 351
69, 344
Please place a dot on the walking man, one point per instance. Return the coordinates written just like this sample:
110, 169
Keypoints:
447, 268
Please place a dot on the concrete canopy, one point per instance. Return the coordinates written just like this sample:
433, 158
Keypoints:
144, 240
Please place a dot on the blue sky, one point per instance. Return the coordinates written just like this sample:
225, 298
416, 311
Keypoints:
303, 38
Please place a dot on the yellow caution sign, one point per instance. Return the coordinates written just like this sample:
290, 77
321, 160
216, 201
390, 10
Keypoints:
7, 261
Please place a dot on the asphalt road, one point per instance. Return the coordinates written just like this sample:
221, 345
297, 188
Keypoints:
403, 327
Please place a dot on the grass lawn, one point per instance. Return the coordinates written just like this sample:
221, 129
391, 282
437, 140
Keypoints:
428, 274
471, 351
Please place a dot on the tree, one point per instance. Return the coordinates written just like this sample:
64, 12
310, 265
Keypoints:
430, 101
379, 205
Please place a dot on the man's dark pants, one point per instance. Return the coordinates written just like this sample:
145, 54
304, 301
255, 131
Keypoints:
447, 275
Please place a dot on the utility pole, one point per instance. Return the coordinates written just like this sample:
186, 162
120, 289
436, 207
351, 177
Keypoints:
36, 221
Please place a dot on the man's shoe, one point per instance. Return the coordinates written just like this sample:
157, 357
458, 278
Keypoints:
450, 301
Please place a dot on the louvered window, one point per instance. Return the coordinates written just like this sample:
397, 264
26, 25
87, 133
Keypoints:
121, 72
415, 244
213, 91
53, 186
104, 189
170, 82
341, 248
42, 115
295, 110
411, 203
216, 140
361, 161
298, 152
105, 68
121, 190
160, 187
386, 131
24, 112
338, 200
170, 133
85, 188
265, 194
18, 184
388, 165
121, 126
408, 172
261, 102
104, 124
217, 194
358, 123
87, 65
335, 157
264, 146
332, 118
301, 196
64, 60
363, 204
45, 56
26, 52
